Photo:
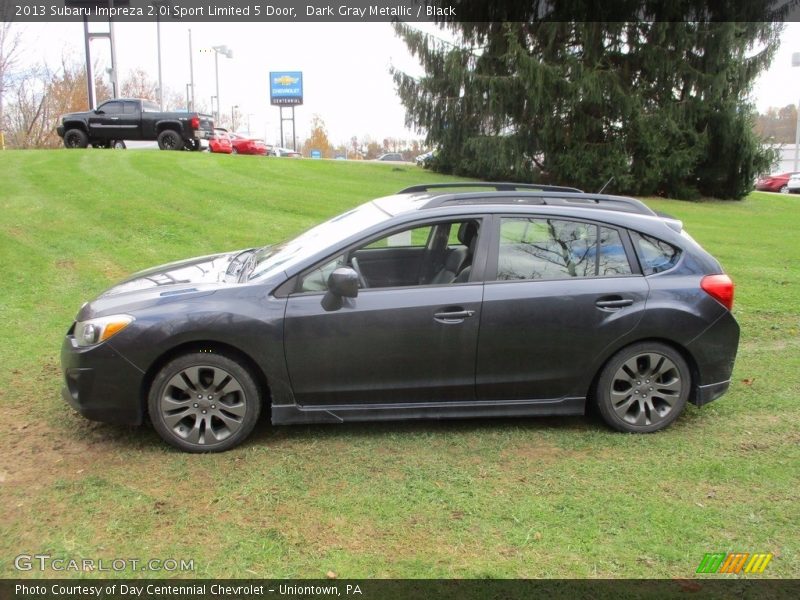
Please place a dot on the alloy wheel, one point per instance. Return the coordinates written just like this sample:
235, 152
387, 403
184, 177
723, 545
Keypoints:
203, 404
645, 389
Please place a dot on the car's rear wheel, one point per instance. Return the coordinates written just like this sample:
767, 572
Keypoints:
643, 388
170, 140
234, 150
204, 402
76, 138
785, 189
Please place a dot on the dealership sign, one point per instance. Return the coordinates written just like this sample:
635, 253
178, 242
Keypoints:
286, 88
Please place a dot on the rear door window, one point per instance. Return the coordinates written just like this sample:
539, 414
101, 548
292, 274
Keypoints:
542, 248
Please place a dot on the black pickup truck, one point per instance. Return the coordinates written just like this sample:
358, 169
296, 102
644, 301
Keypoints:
134, 119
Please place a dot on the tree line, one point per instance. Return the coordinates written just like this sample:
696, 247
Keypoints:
656, 99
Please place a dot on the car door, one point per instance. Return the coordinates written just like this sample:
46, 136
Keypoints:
105, 121
390, 345
129, 123
562, 291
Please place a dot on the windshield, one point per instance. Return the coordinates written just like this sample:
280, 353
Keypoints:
271, 259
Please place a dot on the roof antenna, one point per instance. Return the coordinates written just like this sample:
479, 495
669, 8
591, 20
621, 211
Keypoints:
606, 185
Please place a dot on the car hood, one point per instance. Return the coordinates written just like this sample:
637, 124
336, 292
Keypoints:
172, 281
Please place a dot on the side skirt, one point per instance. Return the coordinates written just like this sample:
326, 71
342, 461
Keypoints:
288, 414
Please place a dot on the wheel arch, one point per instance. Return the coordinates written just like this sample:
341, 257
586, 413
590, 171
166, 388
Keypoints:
679, 348
210, 346
75, 125
173, 125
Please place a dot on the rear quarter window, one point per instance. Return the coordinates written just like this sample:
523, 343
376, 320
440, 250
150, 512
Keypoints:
654, 255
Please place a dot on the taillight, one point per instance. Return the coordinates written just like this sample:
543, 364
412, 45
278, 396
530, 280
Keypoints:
195, 122
719, 287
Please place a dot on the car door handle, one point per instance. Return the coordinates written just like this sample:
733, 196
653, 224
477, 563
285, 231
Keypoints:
113, 118
452, 316
613, 302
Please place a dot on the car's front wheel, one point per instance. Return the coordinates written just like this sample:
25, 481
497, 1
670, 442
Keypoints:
76, 138
643, 388
204, 402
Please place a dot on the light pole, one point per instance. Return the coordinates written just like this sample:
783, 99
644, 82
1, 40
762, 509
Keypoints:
233, 116
157, 4
796, 63
225, 51
190, 101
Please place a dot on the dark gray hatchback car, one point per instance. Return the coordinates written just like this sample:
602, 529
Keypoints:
440, 301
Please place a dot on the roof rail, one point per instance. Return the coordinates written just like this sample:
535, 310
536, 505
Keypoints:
557, 198
499, 186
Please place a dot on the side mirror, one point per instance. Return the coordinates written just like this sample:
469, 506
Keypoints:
342, 283
99, 111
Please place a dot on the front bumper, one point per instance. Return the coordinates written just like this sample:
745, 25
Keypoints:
100, 384
60, 131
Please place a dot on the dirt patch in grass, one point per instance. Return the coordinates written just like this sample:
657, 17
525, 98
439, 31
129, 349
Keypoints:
541, 453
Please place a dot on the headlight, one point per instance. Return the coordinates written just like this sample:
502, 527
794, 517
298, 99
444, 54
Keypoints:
94, 331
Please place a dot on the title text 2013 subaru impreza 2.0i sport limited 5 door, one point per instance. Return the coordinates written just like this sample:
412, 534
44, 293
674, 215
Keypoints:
439, 301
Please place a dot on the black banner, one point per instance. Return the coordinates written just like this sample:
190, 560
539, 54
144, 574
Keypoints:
387, 589
391, 10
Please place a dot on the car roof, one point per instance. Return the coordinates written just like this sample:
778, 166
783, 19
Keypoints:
515, 197
435, 195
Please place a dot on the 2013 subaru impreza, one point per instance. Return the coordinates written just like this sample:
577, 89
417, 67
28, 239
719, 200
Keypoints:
439, 301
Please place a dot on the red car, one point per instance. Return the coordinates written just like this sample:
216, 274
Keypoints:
774, 183
245, 145
221, 142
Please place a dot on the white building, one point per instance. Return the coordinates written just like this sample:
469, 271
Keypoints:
785, 163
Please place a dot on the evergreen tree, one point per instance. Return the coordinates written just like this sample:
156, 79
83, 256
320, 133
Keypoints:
654, 98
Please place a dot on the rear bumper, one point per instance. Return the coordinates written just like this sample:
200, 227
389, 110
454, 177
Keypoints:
714, 352
202, 134
100, 384
703, 394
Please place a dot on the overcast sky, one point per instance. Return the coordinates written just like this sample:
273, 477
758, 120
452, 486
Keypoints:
345, 68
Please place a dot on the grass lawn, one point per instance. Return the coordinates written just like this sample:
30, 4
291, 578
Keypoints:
495, 498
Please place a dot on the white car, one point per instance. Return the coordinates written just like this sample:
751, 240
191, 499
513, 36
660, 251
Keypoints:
793, 185
278, 151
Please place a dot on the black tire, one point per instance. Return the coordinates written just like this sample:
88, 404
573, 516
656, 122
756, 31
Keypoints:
193, 144
643, 388
118, 145
204, 402
75, 138
784, 188
234, 150
169, 139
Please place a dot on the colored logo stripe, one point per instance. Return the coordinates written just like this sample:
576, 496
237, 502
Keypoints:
719, 562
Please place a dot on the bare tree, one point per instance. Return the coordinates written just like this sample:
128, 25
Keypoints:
9, 50
139, 85
40, 97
